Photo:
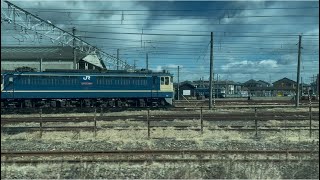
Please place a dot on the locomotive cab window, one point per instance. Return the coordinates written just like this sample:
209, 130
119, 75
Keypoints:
162, 80
166, 81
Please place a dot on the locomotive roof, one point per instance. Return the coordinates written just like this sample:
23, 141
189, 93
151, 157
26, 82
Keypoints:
108, 73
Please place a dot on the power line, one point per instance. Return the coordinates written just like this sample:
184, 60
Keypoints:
162, 10
186, 45
186, 24
222, 32
189, 24
196, 31
179, 18
225, 34
149, 40
203, 35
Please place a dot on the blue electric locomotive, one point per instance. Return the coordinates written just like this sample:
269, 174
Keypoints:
86, 89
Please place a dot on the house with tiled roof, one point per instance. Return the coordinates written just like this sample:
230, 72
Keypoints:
284, 87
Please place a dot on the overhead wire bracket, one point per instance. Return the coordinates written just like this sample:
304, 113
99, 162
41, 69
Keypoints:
28, 21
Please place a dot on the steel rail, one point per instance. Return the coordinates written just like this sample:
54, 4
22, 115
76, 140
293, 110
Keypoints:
91, 128
156, 160
152, 152
19, 110
207, 117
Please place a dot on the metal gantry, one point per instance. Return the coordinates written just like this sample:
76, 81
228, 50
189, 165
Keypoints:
30, 22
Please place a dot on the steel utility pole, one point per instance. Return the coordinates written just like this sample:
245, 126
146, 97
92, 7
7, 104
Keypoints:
217, 79
317, 84
301, 87
147, 62
178, 83
40, 69
298, 73
134, 64
74, 49
211, 72
313, 81
117, 59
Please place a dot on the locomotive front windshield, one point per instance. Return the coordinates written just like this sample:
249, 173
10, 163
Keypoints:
166, 80
166, 83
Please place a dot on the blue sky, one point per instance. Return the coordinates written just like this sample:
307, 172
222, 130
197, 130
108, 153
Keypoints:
252, 39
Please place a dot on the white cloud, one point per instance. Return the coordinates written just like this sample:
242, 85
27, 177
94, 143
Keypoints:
250, 67
288, 59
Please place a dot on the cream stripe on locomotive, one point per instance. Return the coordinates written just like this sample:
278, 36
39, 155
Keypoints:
77, 75
148, 91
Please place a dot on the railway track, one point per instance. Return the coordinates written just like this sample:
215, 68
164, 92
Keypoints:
178, 106
252, 100
223, 102
244, 122
155, 161
12, 130
140, 156
263, 116
151, 152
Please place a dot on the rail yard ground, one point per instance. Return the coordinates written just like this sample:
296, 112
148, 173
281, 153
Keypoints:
241, 143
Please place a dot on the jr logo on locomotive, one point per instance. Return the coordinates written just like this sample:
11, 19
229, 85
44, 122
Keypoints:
87, 80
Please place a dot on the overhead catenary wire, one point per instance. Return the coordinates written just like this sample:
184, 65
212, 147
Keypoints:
225, 32
190, 44
161, 10
180, 18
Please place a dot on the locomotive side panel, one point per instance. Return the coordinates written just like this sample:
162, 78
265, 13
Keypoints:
37, 86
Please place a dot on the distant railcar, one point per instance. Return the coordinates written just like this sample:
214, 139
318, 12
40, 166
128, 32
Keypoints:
86, 89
